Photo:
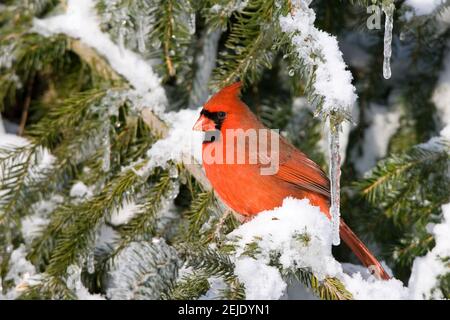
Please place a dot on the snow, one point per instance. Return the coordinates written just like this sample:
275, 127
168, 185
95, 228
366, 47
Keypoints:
216, 287
20, 267
12, 141
31, 225
142, 270
44, 158
299, 236
19, 271
373, 289
427, 269
287, 227
7, 56
320, 50
445, 133
80, 190
106, 237
81, 22
424, 7
332, 82
296, 232
181, 144
123, 214
229, 8
262, 282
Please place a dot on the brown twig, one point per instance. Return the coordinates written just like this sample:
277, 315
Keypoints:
26, 107
167, 40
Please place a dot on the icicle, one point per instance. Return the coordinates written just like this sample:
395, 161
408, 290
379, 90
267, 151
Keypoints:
141, 34
335, 175
90, 262
388, 26
90, 259
191, 23
173, 172
121, 39
106, 150
7, 56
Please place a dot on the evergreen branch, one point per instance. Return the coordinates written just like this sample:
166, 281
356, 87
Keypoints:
15, 170
197, 213
154, 28
66, 117
207, 260
396, 168
74, 240
444, 280
218, 12
412, 246
406, 192
29, 55
234, 291
156, 125
172, 28
143, 223
249, 44
190, 287
327, 289
167, 38
48, 288
143, 270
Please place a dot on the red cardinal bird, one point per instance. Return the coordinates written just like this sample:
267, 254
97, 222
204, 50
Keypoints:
242, 186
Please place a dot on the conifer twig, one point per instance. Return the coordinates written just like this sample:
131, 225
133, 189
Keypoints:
26, 107
157, 126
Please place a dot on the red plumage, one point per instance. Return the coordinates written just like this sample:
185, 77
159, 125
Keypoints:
246, 191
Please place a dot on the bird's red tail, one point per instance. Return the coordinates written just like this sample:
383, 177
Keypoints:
361, 251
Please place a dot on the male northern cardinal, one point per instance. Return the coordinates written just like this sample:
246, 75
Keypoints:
242, 186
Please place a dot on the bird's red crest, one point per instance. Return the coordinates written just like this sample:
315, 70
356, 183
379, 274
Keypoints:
225, 99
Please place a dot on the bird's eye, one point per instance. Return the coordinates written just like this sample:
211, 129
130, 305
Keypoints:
221, 114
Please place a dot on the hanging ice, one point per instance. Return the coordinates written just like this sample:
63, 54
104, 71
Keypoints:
90, 262
106, 164
191, 23
388, 10
7, 56
141, 34
335, 176
121, 38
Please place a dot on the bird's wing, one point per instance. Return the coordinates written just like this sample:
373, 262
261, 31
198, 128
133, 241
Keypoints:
297, 169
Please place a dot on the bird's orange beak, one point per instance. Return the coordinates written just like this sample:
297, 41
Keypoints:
204, 124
